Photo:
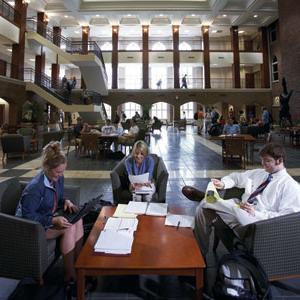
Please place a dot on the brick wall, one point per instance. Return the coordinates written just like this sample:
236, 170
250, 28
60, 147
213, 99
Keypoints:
289, 26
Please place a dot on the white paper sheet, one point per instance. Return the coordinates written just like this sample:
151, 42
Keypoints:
157, 209
138, 208
121, 224
114, 242
120, 212
180, 220
139, 178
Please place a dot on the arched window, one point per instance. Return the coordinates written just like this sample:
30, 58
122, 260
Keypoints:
274, 69
160, 110
133, 46
106, 46
184, 46
130, 108
159, 46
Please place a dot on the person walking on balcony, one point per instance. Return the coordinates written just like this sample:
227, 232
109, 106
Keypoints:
158, 84
184, 82
74, 82
64, 81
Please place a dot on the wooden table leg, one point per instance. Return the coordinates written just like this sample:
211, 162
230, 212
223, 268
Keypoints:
199, 284
80, 284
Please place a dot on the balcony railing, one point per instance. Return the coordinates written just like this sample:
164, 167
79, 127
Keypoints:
65, 43
8, 12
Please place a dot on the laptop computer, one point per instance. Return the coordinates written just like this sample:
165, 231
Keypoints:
82, 211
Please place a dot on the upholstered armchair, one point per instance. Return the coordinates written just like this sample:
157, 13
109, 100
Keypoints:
274, 242
12, 144
120, 181
24, 250
52, 136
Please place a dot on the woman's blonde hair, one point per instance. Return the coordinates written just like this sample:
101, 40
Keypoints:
52, 156
140, 146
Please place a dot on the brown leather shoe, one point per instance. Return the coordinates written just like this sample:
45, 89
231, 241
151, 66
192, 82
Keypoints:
192, 194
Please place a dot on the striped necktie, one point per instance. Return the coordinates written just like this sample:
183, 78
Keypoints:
252, 198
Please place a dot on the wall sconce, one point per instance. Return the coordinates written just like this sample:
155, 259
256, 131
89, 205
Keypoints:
176, 29
145, 29
115, 30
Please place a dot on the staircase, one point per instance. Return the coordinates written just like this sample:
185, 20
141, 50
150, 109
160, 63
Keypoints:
87, 56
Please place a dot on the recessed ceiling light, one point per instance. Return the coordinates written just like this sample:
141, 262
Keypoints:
193, 15
161, 15
241, 31
129, 15
66, 16
9, 50
255, 16
224, 16
97, 16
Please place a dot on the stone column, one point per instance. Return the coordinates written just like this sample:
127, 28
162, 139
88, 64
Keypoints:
236, 57
56, 35
85, 39
265, 72
114, 56
206, 58
42, 22
18, 50
145, 56
55, 75
40, 61
176, 58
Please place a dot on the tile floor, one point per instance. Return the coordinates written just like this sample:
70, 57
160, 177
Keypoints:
191, 160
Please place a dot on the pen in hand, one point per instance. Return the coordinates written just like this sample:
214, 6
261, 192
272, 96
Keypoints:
178, 224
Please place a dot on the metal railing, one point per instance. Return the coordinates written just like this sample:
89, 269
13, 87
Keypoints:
8, 12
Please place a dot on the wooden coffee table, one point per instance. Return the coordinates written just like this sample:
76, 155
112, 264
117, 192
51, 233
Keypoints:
157, 249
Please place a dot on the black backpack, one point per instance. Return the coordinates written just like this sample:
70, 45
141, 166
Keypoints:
240, 276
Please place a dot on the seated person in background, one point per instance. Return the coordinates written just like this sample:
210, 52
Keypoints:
231, 128
78, 127
40, 199
269, 192
140, 163
131, 135
85, 128
108, 128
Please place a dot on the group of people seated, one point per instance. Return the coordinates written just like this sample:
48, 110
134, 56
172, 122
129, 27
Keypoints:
269, 192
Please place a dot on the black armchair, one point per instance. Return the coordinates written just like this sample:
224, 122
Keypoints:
274, 242
120, 181
12, 144
24, 250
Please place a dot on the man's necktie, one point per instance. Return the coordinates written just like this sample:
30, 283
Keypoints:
252, 198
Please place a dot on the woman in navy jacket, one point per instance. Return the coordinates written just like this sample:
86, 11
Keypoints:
41, 198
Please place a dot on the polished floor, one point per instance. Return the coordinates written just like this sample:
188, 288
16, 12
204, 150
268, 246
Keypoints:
191, 160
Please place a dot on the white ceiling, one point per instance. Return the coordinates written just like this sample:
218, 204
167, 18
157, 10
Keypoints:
100, 15
160, 15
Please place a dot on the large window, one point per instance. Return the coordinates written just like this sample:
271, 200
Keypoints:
159, 73
130, 108
108, 110
187, 110
160, 110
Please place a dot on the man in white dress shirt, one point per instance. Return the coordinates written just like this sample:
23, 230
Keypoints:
269, 192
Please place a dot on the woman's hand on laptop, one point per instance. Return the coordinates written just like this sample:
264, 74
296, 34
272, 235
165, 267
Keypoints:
218, 183
69, 206
60, 222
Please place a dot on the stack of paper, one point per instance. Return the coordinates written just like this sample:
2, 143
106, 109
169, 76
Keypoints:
117, 224
114, 242
120, 212
157, 209
180, 220
138, 208
117, 236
